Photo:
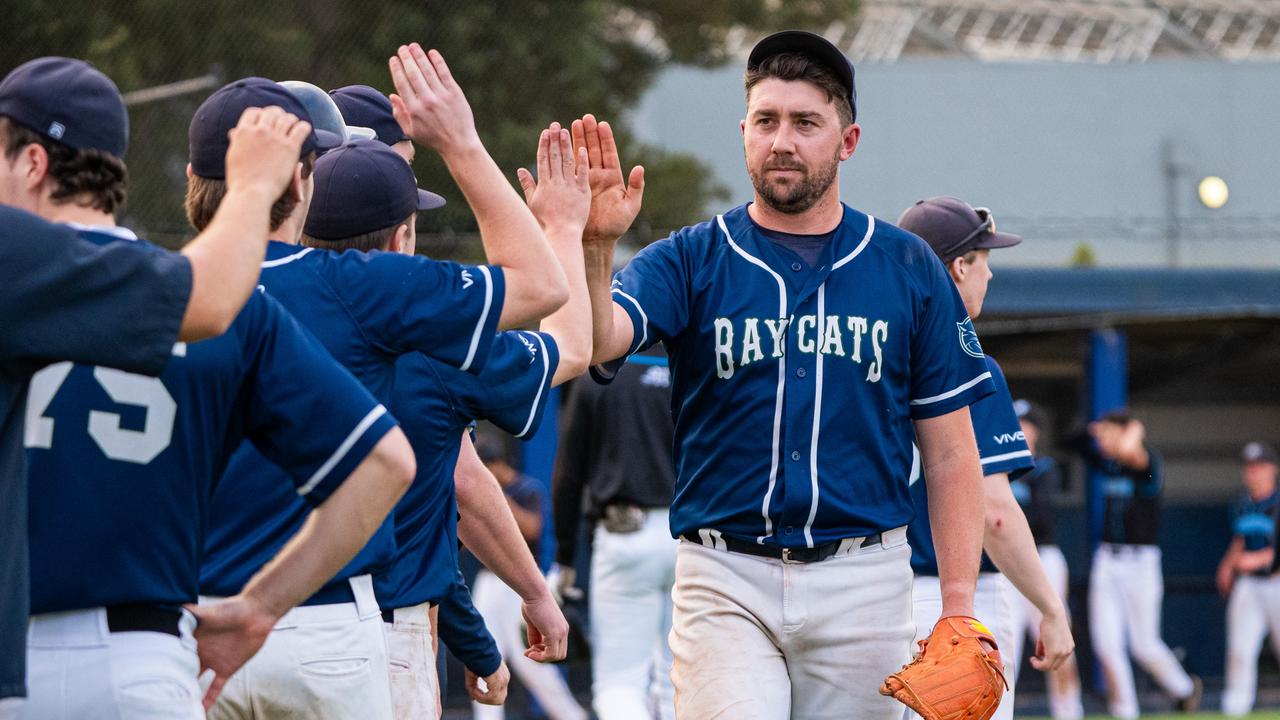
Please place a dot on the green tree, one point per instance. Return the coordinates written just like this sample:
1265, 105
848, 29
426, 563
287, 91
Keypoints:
523, 64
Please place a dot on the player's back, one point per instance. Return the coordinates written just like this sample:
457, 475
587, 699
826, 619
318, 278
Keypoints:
123, 465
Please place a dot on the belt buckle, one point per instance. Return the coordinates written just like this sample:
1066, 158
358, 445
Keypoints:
787, 559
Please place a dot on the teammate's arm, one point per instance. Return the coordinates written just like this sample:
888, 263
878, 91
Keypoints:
949, 455
1226, 576
488, 529
614, 206
1008, 540
560, 199
432, 109
231, 631
226, 257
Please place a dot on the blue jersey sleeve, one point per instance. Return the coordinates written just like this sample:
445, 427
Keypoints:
512, 390
408, 304
948, 368
118, 304
653, 289
1002, 447
463, 631
306, 413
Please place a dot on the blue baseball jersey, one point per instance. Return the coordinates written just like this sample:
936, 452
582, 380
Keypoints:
66, 298
1131, 498
1254, 521
1002, 448
463, 631
441, 402
368, 310
123, 465
795, 386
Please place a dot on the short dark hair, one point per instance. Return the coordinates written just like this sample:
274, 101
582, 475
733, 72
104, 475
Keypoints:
1121, 417
85, 177
204, 196
798, 66
365, 242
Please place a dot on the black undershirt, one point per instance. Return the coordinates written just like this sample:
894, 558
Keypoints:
808, 247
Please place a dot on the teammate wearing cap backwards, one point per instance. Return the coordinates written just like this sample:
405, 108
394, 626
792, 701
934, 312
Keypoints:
328, 658
62, 129
1035, 492
457, 622
809, 343
365, 200
1253, 609
108, 636
1126, 585
963, 238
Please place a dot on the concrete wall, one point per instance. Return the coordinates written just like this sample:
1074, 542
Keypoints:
1064, 153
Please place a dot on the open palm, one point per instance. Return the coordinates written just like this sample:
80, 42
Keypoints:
615, 202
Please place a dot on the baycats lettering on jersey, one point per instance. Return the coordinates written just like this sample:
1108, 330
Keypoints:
757, 339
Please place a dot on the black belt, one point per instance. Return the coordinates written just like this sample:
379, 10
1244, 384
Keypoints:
788, 555
143, 618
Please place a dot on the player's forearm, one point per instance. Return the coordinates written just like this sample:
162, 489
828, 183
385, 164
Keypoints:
337, 529
1008, 540
1249, 561
226, 259
610, 339
951, 467
571, 324
512, 239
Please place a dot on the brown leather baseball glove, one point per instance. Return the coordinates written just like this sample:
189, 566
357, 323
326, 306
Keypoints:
957, 675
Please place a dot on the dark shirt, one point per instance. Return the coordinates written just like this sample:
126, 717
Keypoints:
463, 631
1132, 498
615, 447
65, 298
1035, 491
527, 493
808, 247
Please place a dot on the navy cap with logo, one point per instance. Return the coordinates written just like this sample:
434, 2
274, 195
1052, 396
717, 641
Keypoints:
816, 47
366, 107
952, 227
1258, 452
69, 101
218, 114
361, 187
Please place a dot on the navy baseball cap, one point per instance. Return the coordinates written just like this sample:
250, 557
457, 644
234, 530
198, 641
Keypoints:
816, 47
1258, 452
361, 187
952, 227
68, 101
364, 106
218, 114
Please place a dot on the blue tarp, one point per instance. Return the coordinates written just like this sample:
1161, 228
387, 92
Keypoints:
1026, 292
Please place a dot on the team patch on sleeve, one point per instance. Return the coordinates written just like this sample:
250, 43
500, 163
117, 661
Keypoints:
969, 338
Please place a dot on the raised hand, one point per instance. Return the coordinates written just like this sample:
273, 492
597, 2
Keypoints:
263, 150
228, 633
614, 202
560, 197
428, 103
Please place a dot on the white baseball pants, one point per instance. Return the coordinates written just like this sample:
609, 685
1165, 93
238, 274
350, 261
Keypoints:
77, 669
631, 579
1126, 590
411, 652
758, 639
321, 662
1252, 612
992, 600
500, 606
1063, 684
11, 708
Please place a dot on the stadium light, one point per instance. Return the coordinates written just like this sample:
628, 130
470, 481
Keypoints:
1213, 192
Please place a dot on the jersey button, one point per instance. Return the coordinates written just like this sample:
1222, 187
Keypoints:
797, 267
801, 372
788, 530
795, 455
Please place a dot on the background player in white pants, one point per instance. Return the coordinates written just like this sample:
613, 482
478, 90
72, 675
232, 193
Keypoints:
1035, 492
1126, 584
500, 605
963, 237
1244, 575
614, 465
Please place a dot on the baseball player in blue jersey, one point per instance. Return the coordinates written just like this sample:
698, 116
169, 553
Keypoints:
368, 309
1253, 607
808, 343
963, 239
62, 127
369, 195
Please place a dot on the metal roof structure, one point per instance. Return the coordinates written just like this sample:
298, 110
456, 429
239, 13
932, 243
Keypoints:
1086, 31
